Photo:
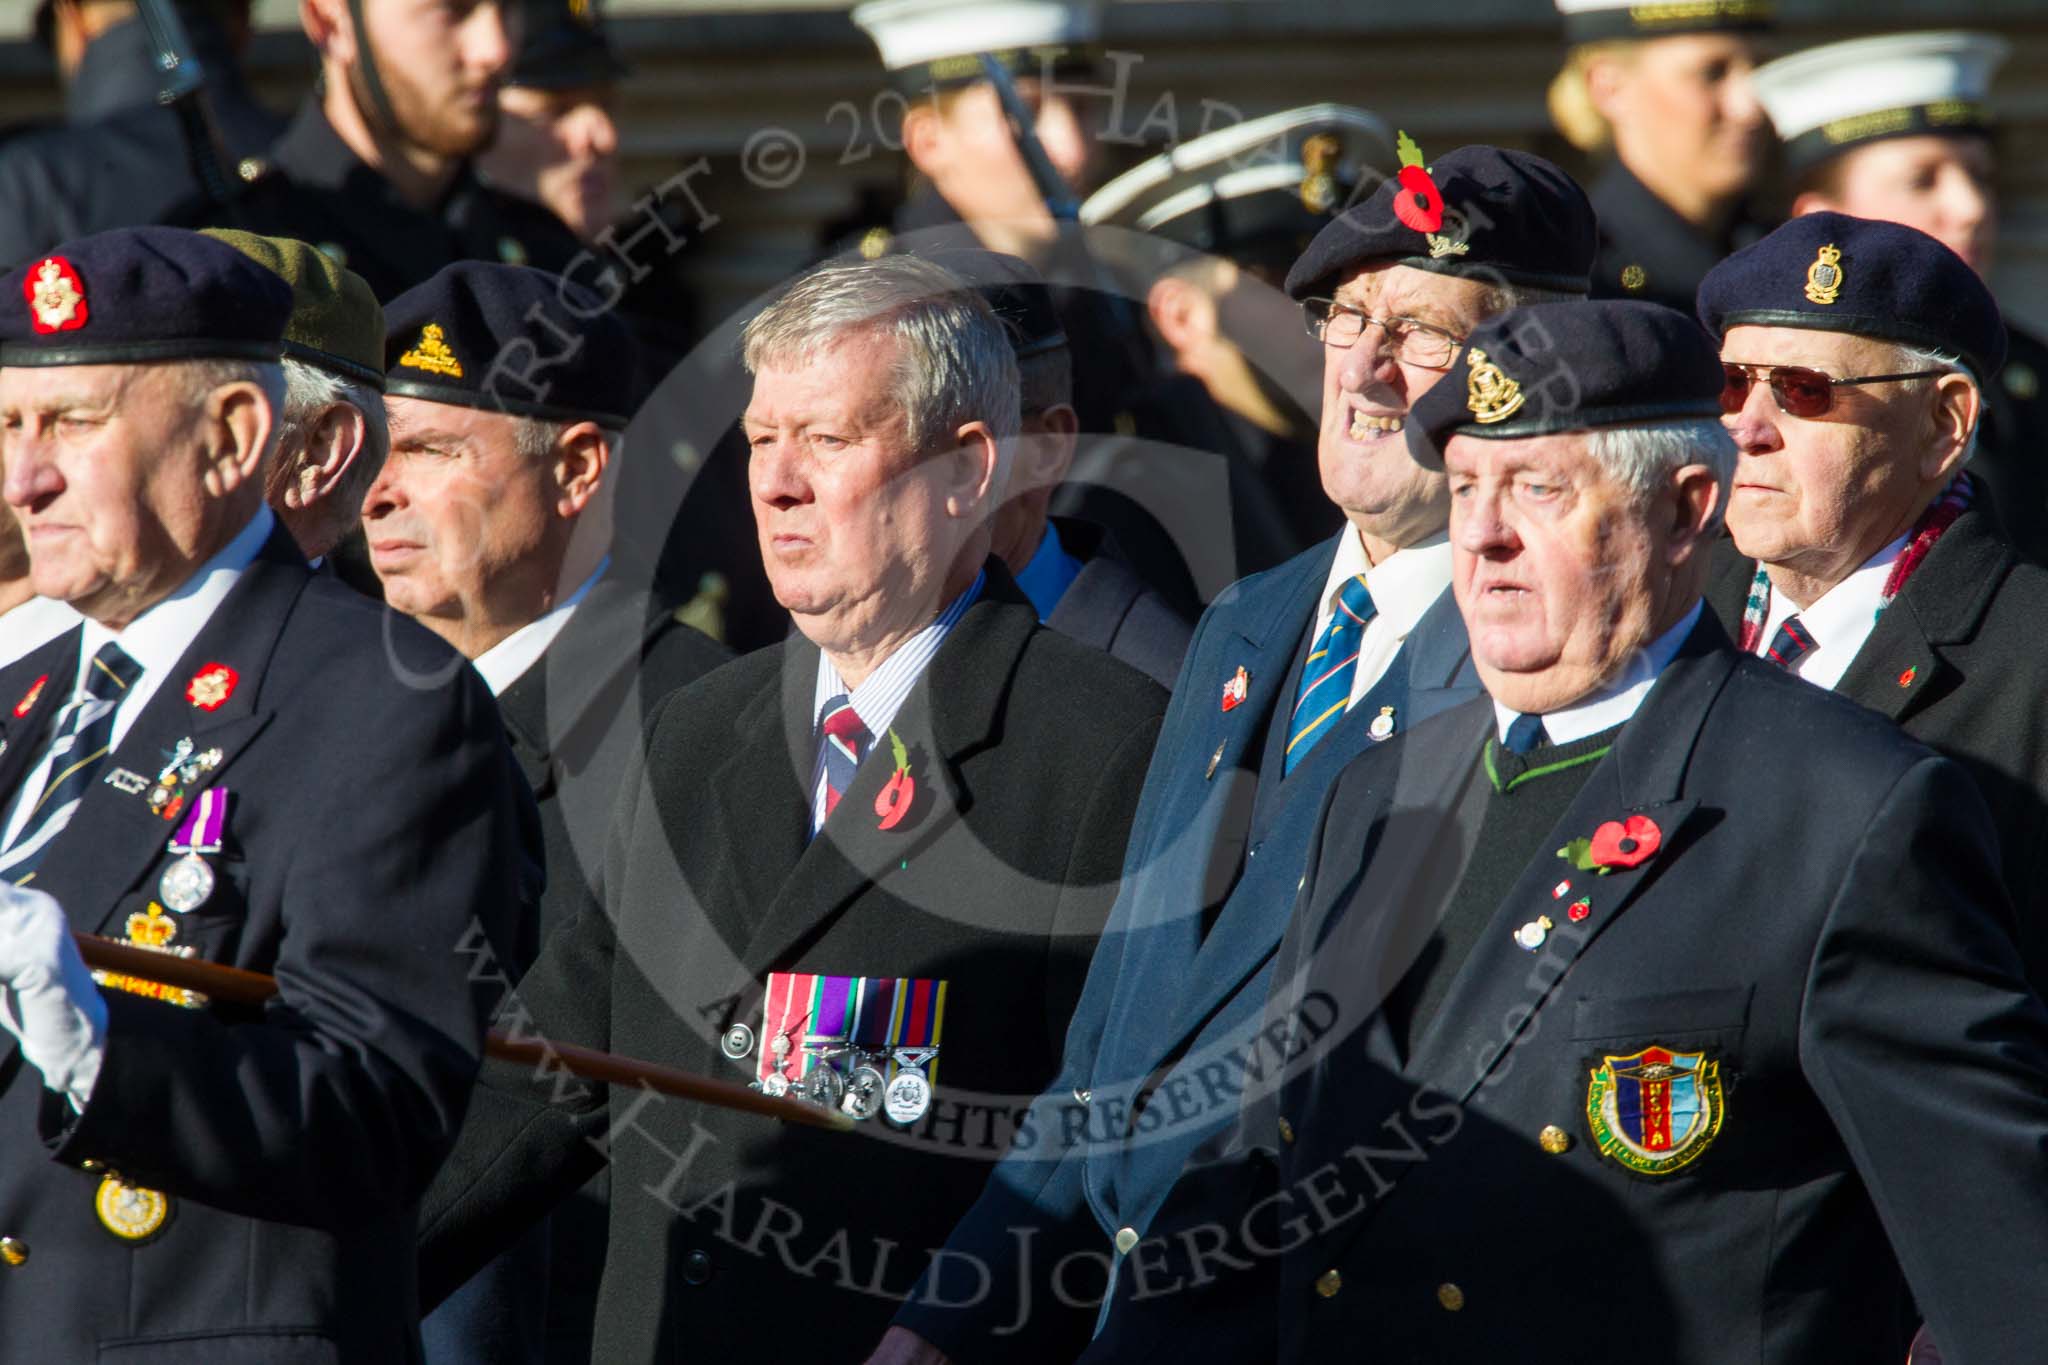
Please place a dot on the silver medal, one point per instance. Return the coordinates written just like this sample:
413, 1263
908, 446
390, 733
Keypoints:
186, 884
776, 1086
864, 1092
823, 1087
737, 1042
908, 1097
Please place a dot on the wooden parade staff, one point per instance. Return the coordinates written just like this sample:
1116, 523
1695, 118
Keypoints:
235, 986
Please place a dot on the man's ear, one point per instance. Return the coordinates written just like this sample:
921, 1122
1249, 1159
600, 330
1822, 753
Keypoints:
971, 473
334, 442
328, 29
1958, 407
1813, 201
1693, 499
924, 137
1606, 75
236, 424
581, 456
1045, 450
1184, 314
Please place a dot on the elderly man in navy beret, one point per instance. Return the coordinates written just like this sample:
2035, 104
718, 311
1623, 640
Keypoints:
1291, 672
1675, 1015
230, 759
1867, 558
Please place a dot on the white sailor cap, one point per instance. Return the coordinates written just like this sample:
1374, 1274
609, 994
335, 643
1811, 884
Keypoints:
1592, 21
1256, 192
940, 42
1826, 100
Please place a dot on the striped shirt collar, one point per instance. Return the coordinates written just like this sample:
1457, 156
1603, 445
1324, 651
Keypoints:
882, 693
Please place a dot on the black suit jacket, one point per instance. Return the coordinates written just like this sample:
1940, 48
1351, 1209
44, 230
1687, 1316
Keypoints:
1028, 752
1822, 920
1957, 661
373, 841
1110, 607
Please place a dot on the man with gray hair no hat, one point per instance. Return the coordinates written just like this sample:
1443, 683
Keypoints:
864, 867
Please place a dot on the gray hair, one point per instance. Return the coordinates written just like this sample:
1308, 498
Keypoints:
309, 390
1641, 458
1933, 358
954, 361
534, 437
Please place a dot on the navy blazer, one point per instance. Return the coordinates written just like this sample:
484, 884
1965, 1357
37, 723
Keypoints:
1164, 1018
1818, 941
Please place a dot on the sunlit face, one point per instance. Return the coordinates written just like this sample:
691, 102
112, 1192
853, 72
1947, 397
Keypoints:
459, 517
1687, 106
854, 524
559, 148
441, 62
1820, 495
1367, 393
974, 162
106, 468
1552, 564
1941, 185
13, 548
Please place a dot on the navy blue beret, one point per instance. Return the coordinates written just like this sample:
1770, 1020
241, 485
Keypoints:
511, 339
1833, 273
1555, 367
1481, 212
135, 295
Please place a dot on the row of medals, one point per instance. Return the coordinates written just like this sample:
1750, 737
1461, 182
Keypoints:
854, 1080
131, 1212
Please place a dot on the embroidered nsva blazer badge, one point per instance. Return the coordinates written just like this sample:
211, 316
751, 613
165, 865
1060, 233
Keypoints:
1655, 1111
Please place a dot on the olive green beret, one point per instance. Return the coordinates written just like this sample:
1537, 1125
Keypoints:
337, 323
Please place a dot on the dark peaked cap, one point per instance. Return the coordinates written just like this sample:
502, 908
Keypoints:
1508, 217
1555, 367
511, 339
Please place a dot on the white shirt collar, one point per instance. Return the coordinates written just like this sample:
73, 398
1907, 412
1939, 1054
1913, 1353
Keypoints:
28, 627
506, 662
1404, 585
159, 637
1618, 700
1839, 621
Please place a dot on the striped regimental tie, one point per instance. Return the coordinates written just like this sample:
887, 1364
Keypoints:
842, 743
1326, 677
84, 736
1792, 643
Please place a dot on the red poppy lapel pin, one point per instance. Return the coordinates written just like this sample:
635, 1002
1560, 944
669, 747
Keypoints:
1234, 691
1617, 843
893, 802
1419, 204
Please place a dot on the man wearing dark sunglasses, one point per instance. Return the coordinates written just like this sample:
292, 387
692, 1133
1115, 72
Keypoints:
1865, 557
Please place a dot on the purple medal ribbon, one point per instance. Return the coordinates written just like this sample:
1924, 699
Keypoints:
205, 822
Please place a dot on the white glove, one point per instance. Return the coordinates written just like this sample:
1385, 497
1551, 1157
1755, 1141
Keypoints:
47, 997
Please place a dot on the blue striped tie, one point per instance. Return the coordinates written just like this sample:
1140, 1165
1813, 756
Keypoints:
77, 755
1326, 677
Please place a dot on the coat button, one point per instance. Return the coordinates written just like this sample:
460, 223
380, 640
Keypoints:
1451, 1297
1554, 1140
696, 1268
1286, 1131
1328, 1283
1126, 1238
13, 1250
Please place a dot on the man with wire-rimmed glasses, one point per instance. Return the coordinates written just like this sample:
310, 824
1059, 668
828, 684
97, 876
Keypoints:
1857, 356
1292, 673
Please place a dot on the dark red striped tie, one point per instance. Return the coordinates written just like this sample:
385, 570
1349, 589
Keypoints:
1792, 643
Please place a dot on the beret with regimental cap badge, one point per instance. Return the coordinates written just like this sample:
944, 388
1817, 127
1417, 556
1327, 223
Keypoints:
132, 296
1555, 367
1489, 214
1826, 100
938, 44
1256, 192
1594, 21
511, 339
337, 324
1829, 272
